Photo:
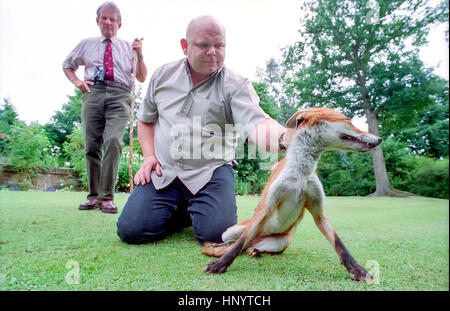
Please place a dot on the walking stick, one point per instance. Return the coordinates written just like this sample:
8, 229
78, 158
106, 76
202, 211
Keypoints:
133, 96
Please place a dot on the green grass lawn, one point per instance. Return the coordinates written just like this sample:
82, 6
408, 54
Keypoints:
42, 234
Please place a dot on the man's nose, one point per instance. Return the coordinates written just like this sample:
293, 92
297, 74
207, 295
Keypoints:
211, 51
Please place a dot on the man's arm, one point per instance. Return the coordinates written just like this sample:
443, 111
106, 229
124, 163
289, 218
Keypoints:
141, 70
146, 136
82, 85
266, 135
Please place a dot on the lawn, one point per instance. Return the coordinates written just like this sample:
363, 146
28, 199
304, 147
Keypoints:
46, 243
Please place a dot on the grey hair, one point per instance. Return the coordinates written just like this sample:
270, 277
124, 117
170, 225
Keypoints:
111, 6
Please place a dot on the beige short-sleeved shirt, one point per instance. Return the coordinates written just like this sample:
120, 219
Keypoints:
196, 128
90, 52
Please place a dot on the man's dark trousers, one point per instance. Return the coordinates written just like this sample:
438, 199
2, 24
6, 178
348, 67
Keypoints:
105, 113
150, 215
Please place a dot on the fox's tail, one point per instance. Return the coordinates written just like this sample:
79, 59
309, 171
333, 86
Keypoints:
215, 249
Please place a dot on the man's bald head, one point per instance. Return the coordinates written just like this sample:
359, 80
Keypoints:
204, 23
204, 46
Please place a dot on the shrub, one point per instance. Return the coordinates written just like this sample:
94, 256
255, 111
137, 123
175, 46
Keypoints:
250, 175
241, 187
429, 177
123, 177
74, 151
27, 145
416, 174
53, 157
345, 173
25, 184
73, 148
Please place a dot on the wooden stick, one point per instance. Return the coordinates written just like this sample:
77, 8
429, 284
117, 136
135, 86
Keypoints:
133, 96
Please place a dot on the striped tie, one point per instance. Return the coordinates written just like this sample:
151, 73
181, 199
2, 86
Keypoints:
108, 61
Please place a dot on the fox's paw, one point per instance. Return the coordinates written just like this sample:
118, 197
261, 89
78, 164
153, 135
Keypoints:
216, 267
359, 274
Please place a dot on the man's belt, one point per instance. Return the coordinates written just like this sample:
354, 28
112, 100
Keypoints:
111, 83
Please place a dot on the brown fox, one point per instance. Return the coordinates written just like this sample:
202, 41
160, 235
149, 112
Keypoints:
292, 188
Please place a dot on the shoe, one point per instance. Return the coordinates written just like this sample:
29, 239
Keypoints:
108, 206
89, 205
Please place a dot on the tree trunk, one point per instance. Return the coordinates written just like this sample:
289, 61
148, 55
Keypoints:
383, 186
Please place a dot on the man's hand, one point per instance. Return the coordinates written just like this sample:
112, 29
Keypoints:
83, 85
266, 135
137, 46
144, 175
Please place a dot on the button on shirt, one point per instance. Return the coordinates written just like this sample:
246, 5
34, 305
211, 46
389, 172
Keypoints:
196, 128
90, 52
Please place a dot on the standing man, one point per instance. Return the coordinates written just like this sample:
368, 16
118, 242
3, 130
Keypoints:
189, 103
106, 88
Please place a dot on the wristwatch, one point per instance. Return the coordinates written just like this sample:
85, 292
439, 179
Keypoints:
280, 142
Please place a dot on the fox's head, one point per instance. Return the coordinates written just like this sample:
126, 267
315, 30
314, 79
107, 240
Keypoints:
332, 130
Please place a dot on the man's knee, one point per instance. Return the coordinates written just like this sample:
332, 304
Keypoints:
136, 224
211, 232
134, 235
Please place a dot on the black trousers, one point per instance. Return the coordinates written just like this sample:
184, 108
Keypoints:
150, 215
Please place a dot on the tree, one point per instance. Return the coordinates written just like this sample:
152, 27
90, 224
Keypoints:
8, 118
271, 78
361, 58
428, 135
346, 173
63, 121
266, 101
249, 177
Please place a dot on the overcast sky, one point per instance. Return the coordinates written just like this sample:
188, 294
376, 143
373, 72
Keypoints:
36, 36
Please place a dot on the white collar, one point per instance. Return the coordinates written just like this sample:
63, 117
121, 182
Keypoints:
113, 39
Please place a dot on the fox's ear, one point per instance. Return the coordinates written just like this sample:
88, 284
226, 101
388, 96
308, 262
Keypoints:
295, 120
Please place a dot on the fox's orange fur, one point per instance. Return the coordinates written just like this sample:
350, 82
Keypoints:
293, 187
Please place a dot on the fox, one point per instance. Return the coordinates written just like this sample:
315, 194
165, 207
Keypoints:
293, 187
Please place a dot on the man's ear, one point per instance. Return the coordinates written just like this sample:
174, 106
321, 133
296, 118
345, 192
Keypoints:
184, 46
120, 25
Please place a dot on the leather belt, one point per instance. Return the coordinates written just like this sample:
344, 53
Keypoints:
111, 83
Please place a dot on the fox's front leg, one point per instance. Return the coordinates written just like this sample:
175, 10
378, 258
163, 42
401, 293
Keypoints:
220, 265
268, 205
314, 205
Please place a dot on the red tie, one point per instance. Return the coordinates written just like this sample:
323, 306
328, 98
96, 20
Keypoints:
108, 61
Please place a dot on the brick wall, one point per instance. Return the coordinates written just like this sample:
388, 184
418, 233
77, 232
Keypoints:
50, 180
